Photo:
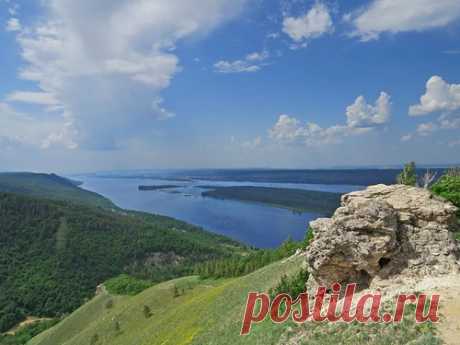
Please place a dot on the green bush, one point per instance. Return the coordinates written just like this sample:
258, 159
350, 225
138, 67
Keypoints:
448, 186
126, 285
293, 286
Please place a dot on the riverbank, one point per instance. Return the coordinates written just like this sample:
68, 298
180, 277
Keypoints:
294, 199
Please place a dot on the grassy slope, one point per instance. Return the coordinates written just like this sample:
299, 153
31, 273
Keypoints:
295, 199
50, 186
209, 313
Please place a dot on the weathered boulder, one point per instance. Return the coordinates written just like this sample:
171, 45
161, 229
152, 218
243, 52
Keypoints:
382, 232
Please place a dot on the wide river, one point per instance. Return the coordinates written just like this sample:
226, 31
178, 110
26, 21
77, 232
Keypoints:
254, 224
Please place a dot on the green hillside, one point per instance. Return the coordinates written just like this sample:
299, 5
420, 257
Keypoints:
50, 186
209, 312
53, 254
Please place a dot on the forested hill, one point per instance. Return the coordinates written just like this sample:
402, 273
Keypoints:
53, 254
50, 186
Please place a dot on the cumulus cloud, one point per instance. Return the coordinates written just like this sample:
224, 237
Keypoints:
361, 118
251, 63
290, 130
104, 64
449, 121
313, 24
43, 98
425, 129
439, 96
395, 16
444, 122
25, 130
13, 24
361, 114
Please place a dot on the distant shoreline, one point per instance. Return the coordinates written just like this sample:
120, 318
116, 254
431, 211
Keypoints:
157, 187
296, 200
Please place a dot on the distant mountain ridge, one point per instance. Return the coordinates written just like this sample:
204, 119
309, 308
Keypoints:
51, 186
354, 177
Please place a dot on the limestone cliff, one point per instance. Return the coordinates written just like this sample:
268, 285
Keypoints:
382, 232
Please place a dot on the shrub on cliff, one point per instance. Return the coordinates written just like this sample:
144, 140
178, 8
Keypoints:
292, 285
448, 187
408, 176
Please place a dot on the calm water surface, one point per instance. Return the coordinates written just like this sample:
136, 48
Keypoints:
258, 225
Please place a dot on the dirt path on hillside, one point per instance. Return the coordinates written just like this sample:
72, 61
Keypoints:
28, 321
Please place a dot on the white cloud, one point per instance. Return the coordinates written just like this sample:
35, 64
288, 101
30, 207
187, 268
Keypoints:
361, 114
439, 96
313, 24
251, 63
13, 24
156, 71
361, 118
64, 136
161, 112
395, 16
13, 9
43, 98
290, 130
258, 56
238, 66
444, 122
407, 137
105, 63
26, 130
425, 129
449, 121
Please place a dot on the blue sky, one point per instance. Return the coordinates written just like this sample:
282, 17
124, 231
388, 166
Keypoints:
118, 84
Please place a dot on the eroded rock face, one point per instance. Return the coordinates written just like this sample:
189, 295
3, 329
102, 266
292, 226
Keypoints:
381, 232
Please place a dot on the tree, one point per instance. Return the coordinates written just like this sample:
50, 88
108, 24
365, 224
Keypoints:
176, 292
147, 312
94, 339
408, 176
117, 326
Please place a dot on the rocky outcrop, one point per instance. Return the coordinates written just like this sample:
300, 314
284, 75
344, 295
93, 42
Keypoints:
383, 232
